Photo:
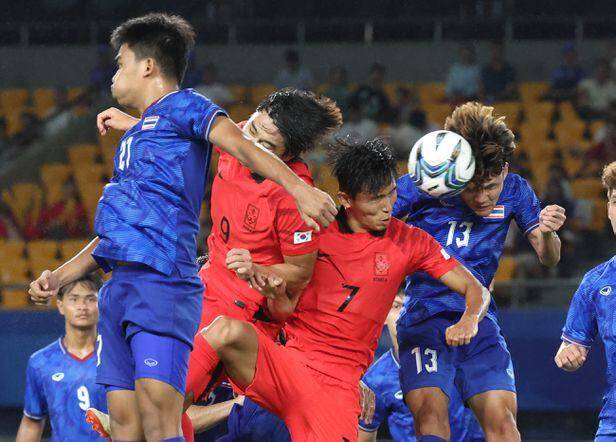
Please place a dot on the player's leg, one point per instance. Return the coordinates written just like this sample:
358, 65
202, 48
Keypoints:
124, 419
427, 373
486, 381
496, 411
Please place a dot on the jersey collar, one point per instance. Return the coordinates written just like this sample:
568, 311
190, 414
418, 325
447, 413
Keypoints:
75, 357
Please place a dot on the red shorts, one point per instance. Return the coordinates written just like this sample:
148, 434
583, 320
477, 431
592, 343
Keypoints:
315, 407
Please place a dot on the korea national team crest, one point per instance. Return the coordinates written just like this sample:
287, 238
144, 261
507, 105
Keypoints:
381, 264
251, 217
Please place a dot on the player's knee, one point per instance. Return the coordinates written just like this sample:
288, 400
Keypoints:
224, 332
430, 419
503, 428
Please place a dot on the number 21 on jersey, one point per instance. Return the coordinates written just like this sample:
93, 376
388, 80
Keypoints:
460, 231
124, 159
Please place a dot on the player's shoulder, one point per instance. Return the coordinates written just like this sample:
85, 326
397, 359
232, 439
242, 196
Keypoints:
602, 275
381, 371
401, 233
181, 104
515, 182
40, 358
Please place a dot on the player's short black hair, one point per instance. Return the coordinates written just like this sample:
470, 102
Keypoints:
302, 117
362, 167
92, 280
168, 39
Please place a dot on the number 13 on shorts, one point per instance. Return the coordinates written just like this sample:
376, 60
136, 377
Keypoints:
425, 360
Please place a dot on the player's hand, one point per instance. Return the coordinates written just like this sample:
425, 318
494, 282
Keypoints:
114, 118
463, 331
366, 403
273, 287
239, 399
551, 218
315, 206
570, 357
44, 288
240, 261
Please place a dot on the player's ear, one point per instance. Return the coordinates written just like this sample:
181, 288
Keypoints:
505, 169
345, 199
60, 305
148, 66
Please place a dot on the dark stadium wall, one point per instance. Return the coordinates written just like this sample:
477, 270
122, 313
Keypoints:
70, 65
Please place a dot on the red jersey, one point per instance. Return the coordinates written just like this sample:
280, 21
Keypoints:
341, 313
253, 213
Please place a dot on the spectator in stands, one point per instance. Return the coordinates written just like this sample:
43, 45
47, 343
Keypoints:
102, 73
370, 98
405, 133
338, 87
565, 78
498, 77
597, 92
464, 77
406, 102
294, 74
357, 126
604, 149
60, 115
521, 165
29, 131
66, 217
214, 89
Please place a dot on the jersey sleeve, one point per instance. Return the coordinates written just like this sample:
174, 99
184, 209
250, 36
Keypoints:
295, 237
197, 116
380, 409
527, 206
427, 255
35, 404
407, 195
581, 325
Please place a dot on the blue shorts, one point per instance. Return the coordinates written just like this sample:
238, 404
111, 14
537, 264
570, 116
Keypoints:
147, 324
427, 361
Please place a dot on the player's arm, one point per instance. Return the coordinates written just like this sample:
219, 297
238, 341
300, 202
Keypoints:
315, 206
30, 430
47, 285
544, 239
477, 297
204, 417
367, 436
570, 356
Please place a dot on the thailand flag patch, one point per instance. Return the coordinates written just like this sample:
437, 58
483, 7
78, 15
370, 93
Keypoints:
302, 237
149, 122
498, 212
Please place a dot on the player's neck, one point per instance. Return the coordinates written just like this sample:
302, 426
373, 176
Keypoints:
79, 342
154, 91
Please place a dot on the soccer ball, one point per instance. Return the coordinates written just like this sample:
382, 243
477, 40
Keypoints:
441, 163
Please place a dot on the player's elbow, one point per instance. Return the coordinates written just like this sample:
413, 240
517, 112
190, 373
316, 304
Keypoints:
549, 261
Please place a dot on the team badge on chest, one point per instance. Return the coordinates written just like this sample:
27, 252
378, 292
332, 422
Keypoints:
251, 217
381, 264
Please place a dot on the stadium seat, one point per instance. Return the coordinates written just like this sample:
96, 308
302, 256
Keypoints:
260, 91
510, 110
533, 91
240, 112
240, 93
81, 154
74, 92
538, 111
39, 265
53, 176
10, 99
431, 92
506, 269
325, 180
533, 131
589, 188
595, 126
13, 120
14, 271
42, 249
92, 173
567, 112
437, 113
110, 140
70, 247
43, 100
11, 250
15, 299
22, 198
570, 132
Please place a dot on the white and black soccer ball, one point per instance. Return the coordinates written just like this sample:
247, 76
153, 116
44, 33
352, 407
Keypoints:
441, 163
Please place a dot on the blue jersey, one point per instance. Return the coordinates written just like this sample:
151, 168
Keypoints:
62, 387
149, 212
252, 423
593, 311
383, 379
476, 242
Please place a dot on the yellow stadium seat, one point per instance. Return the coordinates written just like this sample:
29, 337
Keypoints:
437, 113
240, 112
240, 93
74, 92
70, 247
431, 92
53, 176
15, 299
599, 215
569, 132
110, 140
533, 91
325, 180
14, 271
42, 249
22, 198
14, 98
538, 111
260, 91
567, 112
13, 120
510, 110
540, 168
11, 250
572, 162
506, 269
589, 188
95, 173
81, 154
43, 100
38, 265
